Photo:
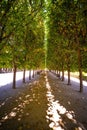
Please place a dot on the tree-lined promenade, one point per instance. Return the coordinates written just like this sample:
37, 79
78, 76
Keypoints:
44, 34
45, 103
38, 35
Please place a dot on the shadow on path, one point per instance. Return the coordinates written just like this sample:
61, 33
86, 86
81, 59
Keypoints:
27, 112
41, 106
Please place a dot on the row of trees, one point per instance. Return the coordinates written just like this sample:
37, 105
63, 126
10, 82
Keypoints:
67, 37
21, 35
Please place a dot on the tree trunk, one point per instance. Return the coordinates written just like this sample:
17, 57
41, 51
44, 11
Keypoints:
69, 82
80, 69
68, 68
62, 72
59, 74
29, 74
79, 64
33, 74
63, 75
14, 76
24, 75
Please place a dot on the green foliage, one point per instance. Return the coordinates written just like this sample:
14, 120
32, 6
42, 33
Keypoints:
25, 26
22, 33
67, 24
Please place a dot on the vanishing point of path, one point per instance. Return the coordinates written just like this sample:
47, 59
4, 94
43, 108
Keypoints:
45, 104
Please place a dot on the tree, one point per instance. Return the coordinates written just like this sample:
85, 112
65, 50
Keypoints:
16, 17
68, 24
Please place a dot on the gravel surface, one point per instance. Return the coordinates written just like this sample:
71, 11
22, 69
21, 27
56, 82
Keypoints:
45, 103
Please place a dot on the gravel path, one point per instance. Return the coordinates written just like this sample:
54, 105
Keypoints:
46, 103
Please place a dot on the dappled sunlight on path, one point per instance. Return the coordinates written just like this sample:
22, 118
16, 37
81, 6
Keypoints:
58, 115
28, 111
37, 109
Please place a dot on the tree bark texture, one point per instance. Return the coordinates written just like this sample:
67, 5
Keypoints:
80, 69
14, 76
24, 75
33, 74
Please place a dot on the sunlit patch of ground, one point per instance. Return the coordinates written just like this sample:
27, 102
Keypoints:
75, 77
41, 106
7, 78
29, 111
58, 115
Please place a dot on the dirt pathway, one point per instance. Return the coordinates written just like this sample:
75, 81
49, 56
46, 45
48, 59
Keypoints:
71, 104
46, 104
